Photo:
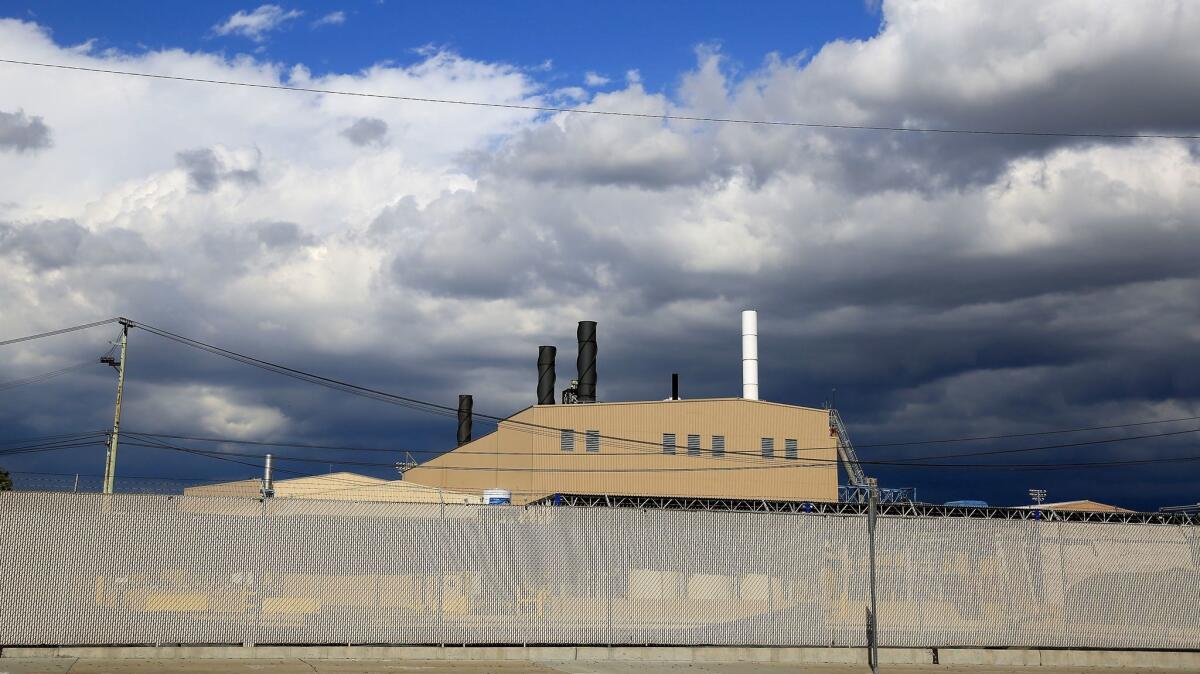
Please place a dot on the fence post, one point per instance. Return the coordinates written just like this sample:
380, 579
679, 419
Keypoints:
872, 612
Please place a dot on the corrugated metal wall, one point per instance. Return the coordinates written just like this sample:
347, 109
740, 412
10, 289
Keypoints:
91, 569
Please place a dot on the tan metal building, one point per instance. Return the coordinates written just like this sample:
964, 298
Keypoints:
706, 448
1081, 505
338, 487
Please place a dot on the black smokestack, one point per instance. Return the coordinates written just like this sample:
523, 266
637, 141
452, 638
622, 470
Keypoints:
465, 403
545, 389
674, 386
586, 362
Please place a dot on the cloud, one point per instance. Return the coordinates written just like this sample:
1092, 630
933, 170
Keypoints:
594, 80
944, 285
20, 133
331, 19
57, 244
206, 170
256, 24
366, 131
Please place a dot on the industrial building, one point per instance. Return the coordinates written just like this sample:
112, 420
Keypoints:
732, 448
571, 443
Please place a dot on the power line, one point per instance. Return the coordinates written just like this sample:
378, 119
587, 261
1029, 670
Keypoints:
346, 448
525, 426
445, 410
52, 333
781, 464
50, 447
367, 392
44, 438
46, 376
608, 113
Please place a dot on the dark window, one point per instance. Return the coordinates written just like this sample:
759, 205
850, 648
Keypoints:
718, 445
768, 448
591, 441
566, 440
694, 445
790, 450
668, 443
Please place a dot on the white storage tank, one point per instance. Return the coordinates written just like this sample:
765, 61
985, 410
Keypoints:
497, 497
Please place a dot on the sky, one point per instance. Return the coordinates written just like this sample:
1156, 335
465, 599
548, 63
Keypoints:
945, 285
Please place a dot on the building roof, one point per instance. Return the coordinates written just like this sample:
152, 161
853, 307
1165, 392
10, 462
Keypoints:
1081, 505
340, 486
668, 401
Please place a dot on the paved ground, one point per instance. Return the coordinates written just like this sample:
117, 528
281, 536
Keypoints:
309, 666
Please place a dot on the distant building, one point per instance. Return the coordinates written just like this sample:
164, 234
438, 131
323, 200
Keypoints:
338, 487
1082, 505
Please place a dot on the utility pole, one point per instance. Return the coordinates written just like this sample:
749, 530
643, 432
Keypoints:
110, 458
872, 614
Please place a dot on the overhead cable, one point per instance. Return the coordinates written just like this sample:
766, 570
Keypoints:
778, 464
608, 113
349, 448
52, 333
651, 446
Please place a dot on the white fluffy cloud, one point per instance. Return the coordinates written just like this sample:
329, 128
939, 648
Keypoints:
256, 24
936, 281
331, 19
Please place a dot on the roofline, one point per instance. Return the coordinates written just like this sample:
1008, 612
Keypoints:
682, 400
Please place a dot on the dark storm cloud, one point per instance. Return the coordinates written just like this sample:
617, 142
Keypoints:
206, 171
945, 285
56, 244
366, 131
22, 133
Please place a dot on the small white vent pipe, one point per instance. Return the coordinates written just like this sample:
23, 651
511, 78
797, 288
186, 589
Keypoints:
750, 355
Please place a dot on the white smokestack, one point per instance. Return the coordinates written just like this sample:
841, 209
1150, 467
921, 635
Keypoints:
750, 355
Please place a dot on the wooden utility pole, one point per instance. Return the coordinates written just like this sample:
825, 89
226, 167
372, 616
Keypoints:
110, 458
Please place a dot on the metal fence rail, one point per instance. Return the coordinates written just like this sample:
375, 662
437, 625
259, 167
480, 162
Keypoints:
132, 569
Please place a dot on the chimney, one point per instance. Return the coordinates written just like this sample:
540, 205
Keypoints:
465, 403
545, 385
750, 355
586, 362
268, 482
674, 386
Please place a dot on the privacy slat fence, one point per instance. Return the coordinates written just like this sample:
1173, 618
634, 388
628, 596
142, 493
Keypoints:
144, 569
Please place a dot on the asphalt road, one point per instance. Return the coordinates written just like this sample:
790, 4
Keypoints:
309, 666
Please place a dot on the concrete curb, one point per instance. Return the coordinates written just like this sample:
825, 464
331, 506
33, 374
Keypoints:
1169, 660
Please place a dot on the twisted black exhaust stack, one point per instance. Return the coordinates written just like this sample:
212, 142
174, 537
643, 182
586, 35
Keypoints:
465, 403
545, 385
586, 362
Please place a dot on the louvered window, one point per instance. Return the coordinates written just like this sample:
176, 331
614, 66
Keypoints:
790, 450
591, 441
668, 443
693, 445
768, 448
566, 440
718, 445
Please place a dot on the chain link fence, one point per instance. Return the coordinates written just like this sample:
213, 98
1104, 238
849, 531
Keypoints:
153, 569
